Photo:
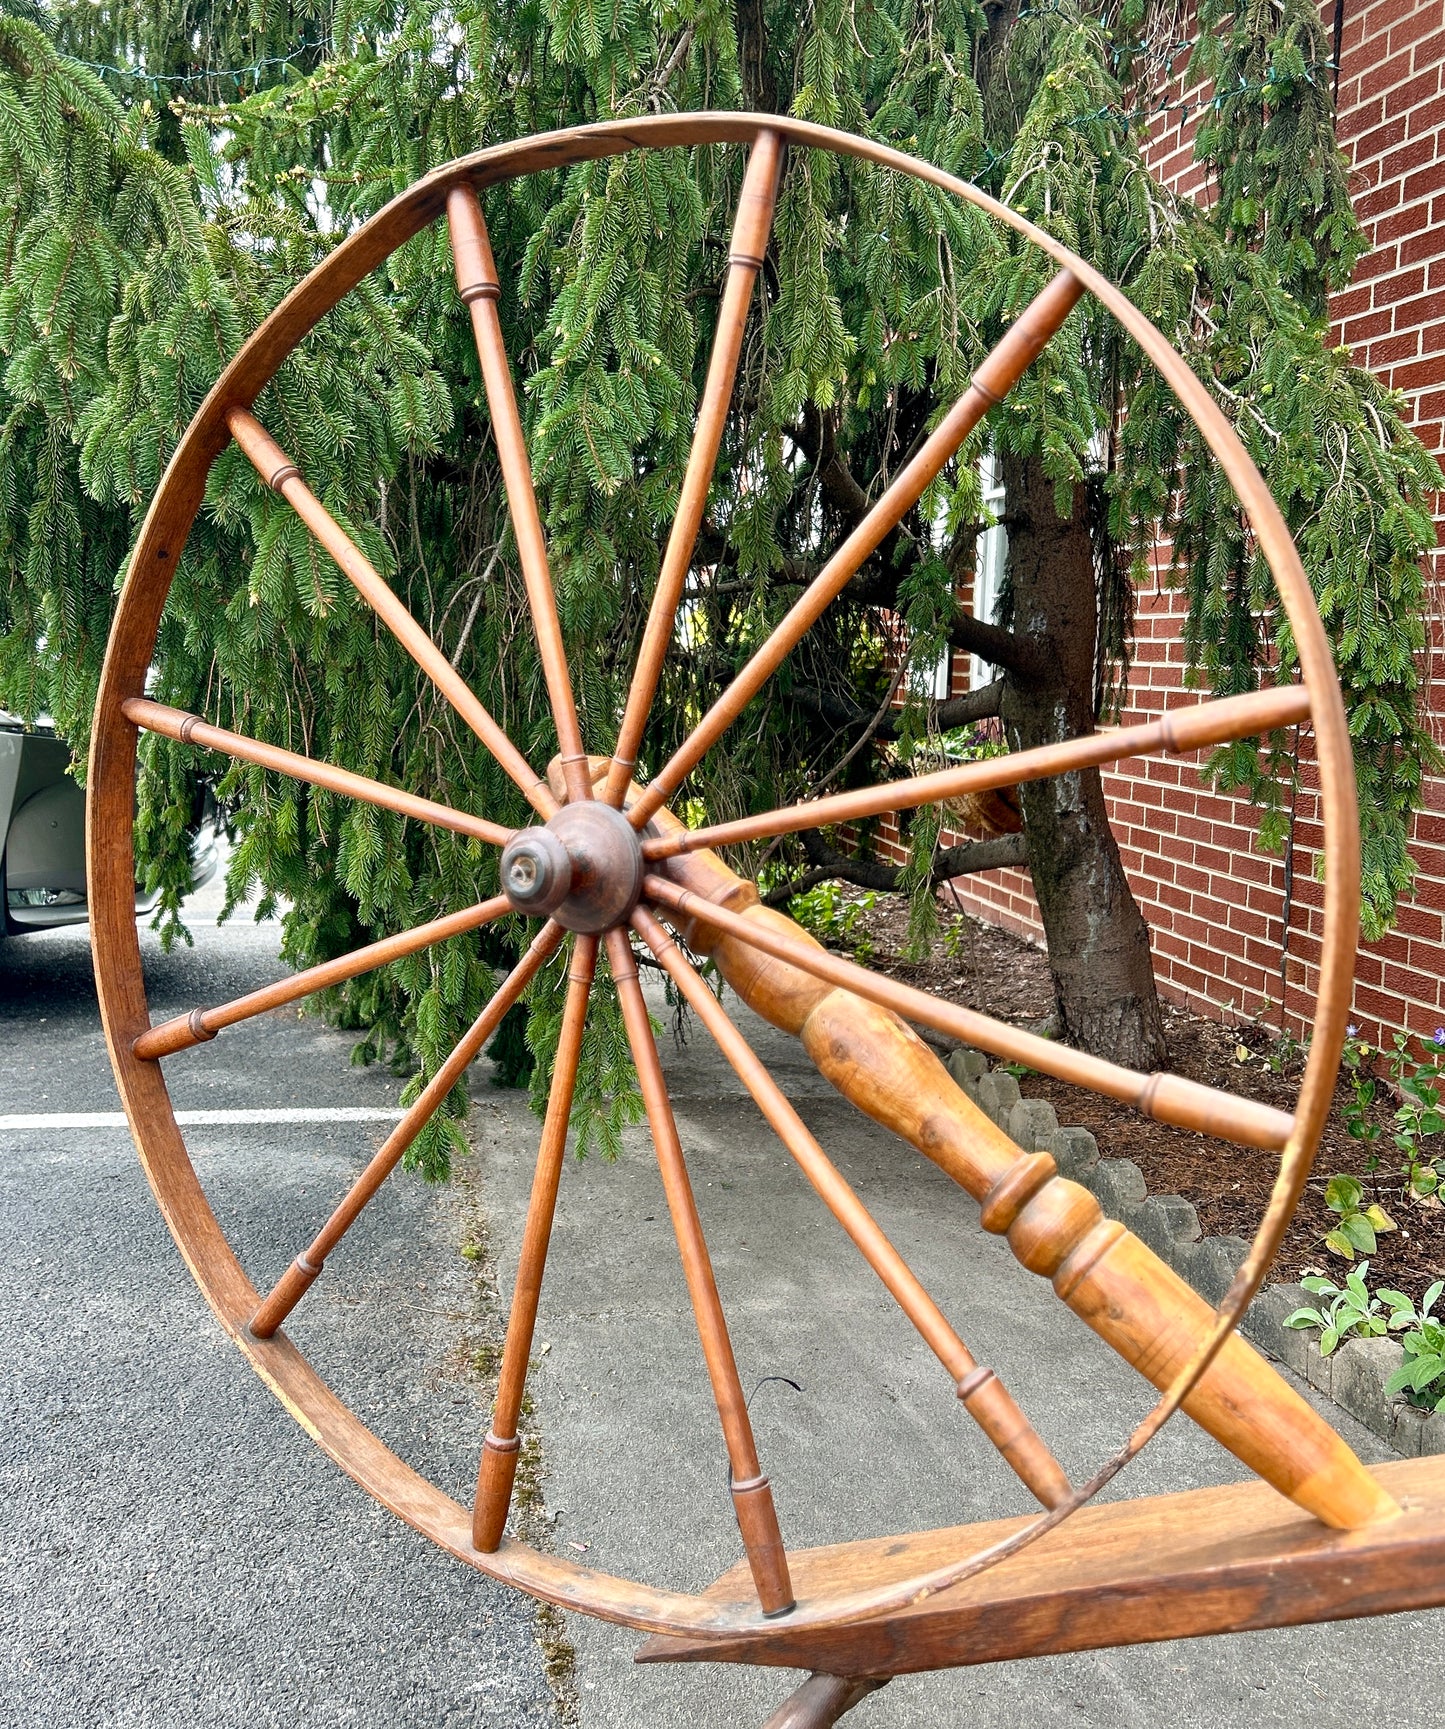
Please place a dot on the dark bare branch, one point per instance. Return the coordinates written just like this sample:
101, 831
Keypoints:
840, 712
980, 704
1001, 853
991, 642
817, 437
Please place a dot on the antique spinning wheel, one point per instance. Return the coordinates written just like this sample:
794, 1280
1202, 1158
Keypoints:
606, 858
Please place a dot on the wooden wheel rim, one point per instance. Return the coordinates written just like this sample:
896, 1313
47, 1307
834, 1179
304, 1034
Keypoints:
119, 979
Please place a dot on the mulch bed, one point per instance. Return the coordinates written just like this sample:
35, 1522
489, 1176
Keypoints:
1000, 974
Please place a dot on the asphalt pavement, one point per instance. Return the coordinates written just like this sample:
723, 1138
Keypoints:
177, 1552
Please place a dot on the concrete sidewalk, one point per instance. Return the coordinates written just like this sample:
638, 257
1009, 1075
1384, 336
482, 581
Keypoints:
875, 1441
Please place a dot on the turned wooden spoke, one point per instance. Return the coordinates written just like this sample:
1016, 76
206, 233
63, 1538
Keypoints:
191, 729
283, 476
184, 1031
299, 1276
479, 287
745, 258
1168, 1098
997, 375
751, 1491
498, 1467
1180, 731
984, 1396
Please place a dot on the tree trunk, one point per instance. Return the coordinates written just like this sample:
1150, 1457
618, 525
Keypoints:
758, 75
1097, 940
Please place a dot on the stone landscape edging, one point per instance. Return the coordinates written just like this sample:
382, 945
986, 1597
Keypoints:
1353, 1376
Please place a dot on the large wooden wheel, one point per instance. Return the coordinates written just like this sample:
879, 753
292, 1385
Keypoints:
606, 861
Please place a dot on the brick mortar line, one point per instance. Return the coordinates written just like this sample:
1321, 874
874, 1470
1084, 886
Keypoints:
1353, 1376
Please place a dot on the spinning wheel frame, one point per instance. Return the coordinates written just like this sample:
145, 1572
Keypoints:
136, 1047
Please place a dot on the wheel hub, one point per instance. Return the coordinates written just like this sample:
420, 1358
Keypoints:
583, 868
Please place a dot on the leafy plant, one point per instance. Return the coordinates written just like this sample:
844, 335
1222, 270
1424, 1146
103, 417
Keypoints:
1421, 1377
956, 937
1354, 1309
971, 743
1418, 1080
1278, 1052
1351, 1309
1357, 1059
1359, 1225
1284, 1053
839, 923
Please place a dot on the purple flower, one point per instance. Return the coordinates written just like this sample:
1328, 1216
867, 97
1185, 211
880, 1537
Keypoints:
1440, 1035
1352, 1031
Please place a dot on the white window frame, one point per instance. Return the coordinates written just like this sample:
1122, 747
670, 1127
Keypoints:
990, 556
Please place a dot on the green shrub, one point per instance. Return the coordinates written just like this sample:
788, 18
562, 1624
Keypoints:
1359, 1226
1351, 1310
823, 912
1421, 1377
1417, 1078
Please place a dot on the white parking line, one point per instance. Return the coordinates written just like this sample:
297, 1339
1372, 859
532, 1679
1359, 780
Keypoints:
207, 1119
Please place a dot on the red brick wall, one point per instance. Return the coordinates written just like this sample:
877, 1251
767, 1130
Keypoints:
1215, 905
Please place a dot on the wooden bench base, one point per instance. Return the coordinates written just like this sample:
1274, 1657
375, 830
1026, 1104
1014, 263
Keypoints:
1166, 1567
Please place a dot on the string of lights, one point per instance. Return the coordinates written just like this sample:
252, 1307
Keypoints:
211, 75
1178, 109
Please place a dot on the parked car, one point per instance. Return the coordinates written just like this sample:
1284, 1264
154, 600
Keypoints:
42, 822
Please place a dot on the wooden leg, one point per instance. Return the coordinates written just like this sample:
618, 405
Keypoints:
821, 1701
751, 1492
497, 1469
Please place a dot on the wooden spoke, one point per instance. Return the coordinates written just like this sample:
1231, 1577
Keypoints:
184, 1031
299, 1276
1180, 731
751, 1492
745, 258
1168, 1098
498, 1465
283, 476
998, 374
191, 729
478, 286
984, 1396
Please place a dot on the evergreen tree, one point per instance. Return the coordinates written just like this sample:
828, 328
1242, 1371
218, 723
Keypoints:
170, 171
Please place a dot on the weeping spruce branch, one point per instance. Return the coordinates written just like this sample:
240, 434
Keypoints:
149, 219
